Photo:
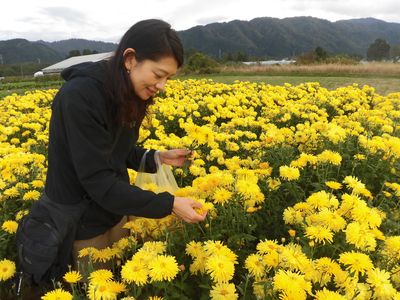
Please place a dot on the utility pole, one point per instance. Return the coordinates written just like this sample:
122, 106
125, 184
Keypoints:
1, 59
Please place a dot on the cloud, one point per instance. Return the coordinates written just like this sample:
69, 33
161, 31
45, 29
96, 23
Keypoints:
63, 19
66, 15
209, 20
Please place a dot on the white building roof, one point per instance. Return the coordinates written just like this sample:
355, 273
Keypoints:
58, 67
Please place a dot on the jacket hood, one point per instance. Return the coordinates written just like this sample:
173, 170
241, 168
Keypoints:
96, 70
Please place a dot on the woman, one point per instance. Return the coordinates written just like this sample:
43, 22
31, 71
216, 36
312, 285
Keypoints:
94, 126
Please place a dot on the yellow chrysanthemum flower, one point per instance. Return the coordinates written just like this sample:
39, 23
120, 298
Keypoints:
156, 247
392, 247
134, 272
102, 289
289, 173
7, 269
333, 185
10, 226
268, 246
319, 234
273, 183
86, 252
21, 214
379, 280
255, 264
331, 157
194, 249
247, 188
292, 216
11, 193
218, 248
291, 284
100, 275
223, 291
31, 195
355, 262
222, 196
37, 184
326, 294
321, 200
220, 268
72, 277
323, 270
199, 264
58, 294
163, 267
331, 220
104, 255
359, 235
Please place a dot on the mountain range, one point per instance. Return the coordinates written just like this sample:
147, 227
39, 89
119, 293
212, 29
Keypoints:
261, 37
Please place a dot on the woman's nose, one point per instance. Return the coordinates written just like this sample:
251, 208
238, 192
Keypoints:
161, 85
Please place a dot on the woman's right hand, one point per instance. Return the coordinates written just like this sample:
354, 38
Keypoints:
184, 209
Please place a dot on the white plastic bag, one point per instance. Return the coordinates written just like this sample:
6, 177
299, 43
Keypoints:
161, 181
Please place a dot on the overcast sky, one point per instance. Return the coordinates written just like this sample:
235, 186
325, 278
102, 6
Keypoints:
53, 20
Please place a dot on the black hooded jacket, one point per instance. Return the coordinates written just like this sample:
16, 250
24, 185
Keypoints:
82, 161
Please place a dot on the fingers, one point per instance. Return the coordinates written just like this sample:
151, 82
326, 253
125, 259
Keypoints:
184, 209
195, 218
196, 204
182, 152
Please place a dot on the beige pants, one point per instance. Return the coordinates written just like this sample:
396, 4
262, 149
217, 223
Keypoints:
100, 242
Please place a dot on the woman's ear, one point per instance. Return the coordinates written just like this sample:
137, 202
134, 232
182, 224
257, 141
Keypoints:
129, 58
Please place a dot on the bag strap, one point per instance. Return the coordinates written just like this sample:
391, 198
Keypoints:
143, 161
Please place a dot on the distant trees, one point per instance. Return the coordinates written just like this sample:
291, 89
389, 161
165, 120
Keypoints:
235, 57
88, 52
73, 53
320, 55
78, 53
200, 63
395, 53
378, 50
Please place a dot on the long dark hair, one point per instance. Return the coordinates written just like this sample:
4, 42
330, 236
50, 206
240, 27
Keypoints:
152, 39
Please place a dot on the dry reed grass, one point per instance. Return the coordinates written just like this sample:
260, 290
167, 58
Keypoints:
384, 69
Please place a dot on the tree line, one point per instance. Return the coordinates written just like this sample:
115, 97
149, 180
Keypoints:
379, 50
76, 52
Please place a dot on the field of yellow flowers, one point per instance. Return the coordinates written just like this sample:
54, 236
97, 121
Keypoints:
301, 185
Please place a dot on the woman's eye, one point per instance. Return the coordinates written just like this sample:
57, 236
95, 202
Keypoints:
157, 76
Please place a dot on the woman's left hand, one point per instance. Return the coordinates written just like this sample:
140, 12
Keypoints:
175, 157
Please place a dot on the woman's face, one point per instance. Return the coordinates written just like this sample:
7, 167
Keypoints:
148, 76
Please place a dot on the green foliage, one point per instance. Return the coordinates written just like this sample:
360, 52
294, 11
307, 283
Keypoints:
76, 52
235, 57
22, 69
395, 53
320, 55
200, 63
278, 38
18, 51
378, 50
73, 53
65, 46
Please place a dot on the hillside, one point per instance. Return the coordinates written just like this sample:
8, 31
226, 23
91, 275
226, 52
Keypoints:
278, 38
65, 46
261, 37
23, 51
